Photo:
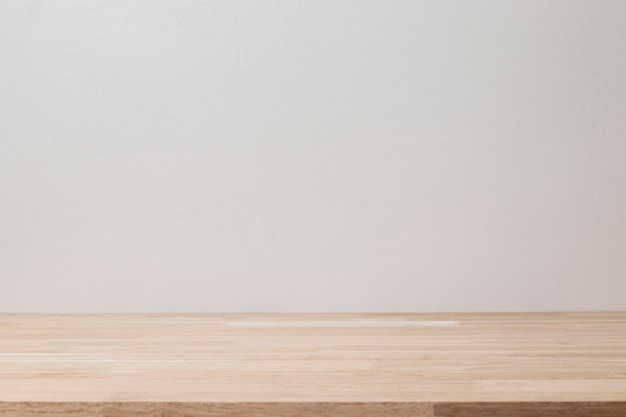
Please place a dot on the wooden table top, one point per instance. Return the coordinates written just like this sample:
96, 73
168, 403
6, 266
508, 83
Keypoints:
313, 358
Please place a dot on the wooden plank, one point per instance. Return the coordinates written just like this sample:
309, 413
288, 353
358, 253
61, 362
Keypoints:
298, 410
47, 409
215, 409
159, 363
571, 409
132, 410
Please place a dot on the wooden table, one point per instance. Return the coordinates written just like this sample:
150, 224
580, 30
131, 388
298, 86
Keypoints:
304, 365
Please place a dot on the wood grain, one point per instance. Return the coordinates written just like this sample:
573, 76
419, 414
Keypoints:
311, 364
47, 409
132, 409
215, 409
542, 409
298, 410
571, 409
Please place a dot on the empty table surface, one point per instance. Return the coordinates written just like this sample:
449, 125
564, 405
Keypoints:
321, 364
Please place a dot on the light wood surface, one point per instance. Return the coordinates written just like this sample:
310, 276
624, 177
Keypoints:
284, 365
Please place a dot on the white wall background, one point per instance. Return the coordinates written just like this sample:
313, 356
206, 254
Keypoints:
312, 155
